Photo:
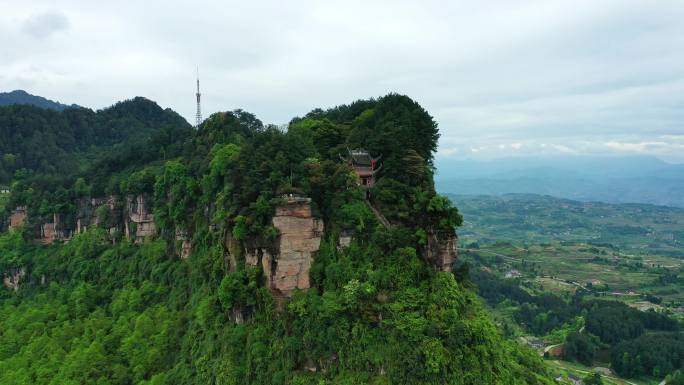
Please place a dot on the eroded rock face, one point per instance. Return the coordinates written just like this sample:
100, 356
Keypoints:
344, 239
138, 213
132, 215
441, 250
90, 214
12, 278
287, 262
53, 231
232, 247
299, 241
18, 217
186, 243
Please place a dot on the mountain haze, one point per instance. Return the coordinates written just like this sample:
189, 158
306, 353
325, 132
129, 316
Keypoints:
23, 97
633, 179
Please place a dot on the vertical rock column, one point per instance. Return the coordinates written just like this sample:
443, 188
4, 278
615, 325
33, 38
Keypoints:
18, 217
441, 250
299, 241
139, 214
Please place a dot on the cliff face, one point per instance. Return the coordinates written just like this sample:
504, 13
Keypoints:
299, 241
101, 212
134, 218
441, 250
185, 240
54, 231
12, 278
18, 217
139, 222
287, 263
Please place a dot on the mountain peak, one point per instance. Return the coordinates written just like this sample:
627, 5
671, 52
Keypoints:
23, 97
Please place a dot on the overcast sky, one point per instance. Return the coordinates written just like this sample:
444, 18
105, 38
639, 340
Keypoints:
501, 77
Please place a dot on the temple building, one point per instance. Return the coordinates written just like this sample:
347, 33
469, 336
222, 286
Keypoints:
365, 166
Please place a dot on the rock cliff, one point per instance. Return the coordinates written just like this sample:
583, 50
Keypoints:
12, 278
134, 218
139, 222
53, 231
441, 250
298, 243
287, 262
102, 212
18, 217
185, 240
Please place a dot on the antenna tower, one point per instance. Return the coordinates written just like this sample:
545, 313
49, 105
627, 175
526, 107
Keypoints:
199, 109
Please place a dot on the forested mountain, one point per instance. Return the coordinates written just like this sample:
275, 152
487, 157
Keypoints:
240, 253
34, 140
23, 97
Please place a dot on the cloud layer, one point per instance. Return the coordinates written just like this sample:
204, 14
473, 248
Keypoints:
501, 77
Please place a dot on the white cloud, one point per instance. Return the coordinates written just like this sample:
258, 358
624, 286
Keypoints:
573, 74
42, 25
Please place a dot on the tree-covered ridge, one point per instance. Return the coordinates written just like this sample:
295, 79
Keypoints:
43, 141
377, 312
23, 97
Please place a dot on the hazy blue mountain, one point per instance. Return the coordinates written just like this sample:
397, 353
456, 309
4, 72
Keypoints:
23, 97
633, 179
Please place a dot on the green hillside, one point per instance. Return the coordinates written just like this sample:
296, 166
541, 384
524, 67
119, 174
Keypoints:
23, 97
180, 275
34, 140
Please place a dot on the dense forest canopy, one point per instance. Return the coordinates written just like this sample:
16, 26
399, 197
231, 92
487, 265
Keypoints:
100, 309
34, 140
23, 97
641, 343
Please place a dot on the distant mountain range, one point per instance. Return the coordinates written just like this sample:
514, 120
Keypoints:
627, 179
23, 97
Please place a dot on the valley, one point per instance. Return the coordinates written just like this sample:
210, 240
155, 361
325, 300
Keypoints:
542, 264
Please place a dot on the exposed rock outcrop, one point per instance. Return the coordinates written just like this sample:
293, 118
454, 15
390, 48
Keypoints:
133, 216
53, 231
298, 243
233, 248
185, 243
103, 212
441, 250
18, 217
140, 221
287, 262
344, 239
12, 278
